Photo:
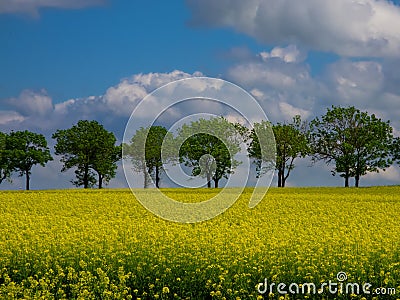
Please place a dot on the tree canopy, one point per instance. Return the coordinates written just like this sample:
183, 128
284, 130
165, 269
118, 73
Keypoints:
262, 147
89, 148
209, 146
5, 155
145, 152
290, 140
395, 147
26, 149
355, 141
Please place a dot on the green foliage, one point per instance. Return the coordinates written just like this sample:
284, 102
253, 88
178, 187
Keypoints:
208, 146
5, 155
262, 147
290, 140
356, 141
83, 177
91, 149
26, 149
145, 152
395, 148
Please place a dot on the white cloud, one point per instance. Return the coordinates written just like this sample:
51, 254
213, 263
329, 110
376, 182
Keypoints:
35, 110
31, 7
7, 117
62, 108
356, 82
257, 93
346, 27
391, 174
281, 85
258, 72
155, 80
121, 99
285, 88
365, 85
290, 54
289, 111
32, 103
124, 97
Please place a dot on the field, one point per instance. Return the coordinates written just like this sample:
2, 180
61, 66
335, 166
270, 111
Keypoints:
90, 244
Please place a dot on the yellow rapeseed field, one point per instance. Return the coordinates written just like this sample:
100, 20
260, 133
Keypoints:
91, 244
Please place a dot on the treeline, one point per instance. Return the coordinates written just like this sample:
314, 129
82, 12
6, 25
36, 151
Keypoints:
87, 147
352, 141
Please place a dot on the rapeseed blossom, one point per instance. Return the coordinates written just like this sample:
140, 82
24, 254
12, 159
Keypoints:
87, 244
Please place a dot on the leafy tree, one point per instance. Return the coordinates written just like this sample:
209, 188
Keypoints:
104, 163
356, 141
396, 149
91, 149
26, 150
83, 177
262, 147
208, 146
136, 152
291, 143
5, 161
145, 152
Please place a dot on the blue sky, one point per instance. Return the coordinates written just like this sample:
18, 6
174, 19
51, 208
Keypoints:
64, 60
77, 53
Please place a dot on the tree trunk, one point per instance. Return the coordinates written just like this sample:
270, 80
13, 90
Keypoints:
216, 181
157, 177
346, 180
27, 180
100, 181
86, 177
357, 178
145, 177
283, 180
208, 180
279, 178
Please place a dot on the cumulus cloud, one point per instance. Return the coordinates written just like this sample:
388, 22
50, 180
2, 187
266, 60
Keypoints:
32, 103
31, 7
8, 117
35, 109
280, 81
288, 54
367, 85
347, 27
356, 82
391, 174
289, 111
123, 98
285, 87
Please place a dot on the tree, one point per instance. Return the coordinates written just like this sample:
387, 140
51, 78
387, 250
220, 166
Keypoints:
396, 150
5, 161
84, 177
27, 149
91, 149
145, 152
104, 163
291, 143
262, 147
208, 146
356, 141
